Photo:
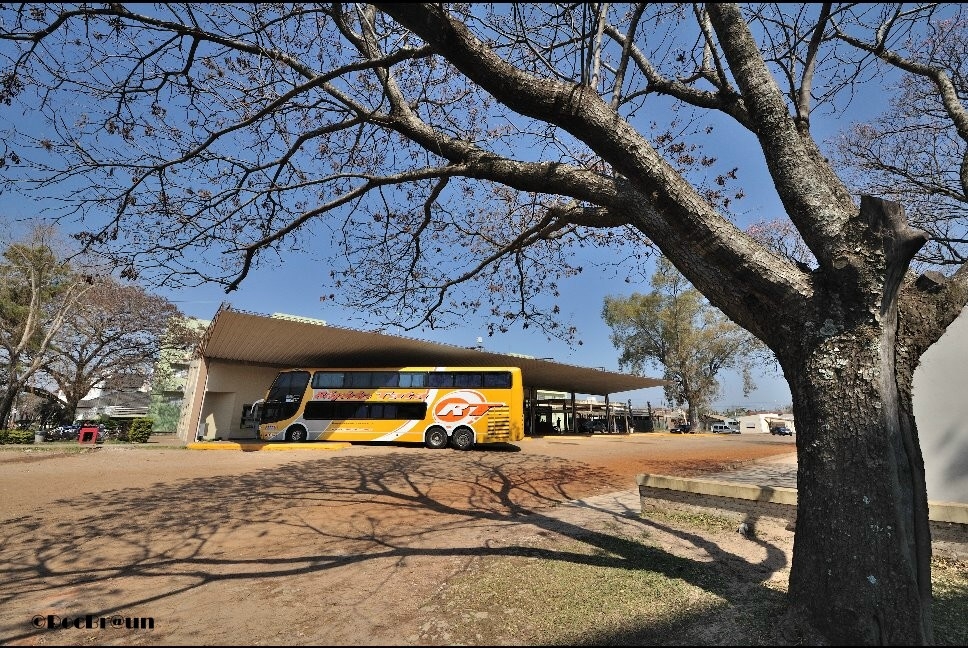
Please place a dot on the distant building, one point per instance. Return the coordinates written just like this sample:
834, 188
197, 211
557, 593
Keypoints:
120, 404
762, 422
707, 421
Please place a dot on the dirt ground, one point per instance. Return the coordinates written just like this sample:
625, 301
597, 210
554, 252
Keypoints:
345, 547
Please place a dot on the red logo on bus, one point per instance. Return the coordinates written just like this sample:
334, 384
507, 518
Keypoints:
461, 407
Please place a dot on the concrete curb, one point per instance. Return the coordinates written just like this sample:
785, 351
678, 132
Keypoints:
771, 494
937, 511
948, 512
266, 447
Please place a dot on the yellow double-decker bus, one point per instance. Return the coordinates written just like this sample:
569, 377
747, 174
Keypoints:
436, 406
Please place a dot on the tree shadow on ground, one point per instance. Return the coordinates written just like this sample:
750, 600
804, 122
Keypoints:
363, 520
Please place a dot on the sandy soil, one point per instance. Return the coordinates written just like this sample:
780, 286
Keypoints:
327, 548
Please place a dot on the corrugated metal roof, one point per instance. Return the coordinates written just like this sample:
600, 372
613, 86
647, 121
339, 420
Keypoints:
259, 339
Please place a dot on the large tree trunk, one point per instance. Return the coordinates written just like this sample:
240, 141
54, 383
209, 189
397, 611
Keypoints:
70, 407
6, 405
861, 571
693, 414
861, 562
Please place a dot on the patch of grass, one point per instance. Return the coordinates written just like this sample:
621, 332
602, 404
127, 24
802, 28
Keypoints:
949, 584
49, 448
694, 519
606, 588
617, 591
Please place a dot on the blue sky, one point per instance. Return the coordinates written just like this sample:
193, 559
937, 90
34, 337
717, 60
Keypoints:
300, 295
581, 300
294, 286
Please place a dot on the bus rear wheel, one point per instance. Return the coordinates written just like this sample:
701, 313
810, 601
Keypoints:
297, 435
463, 439
436, 438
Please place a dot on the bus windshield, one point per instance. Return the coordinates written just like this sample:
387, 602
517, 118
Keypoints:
285, 396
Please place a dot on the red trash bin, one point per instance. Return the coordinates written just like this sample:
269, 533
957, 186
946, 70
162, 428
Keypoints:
87, 434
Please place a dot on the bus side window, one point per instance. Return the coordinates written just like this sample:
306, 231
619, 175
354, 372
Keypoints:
467, 379
327, 380
344, 410
412, 411
318, 410
413, 379
358, 379
440, 379
384, 379
497, 379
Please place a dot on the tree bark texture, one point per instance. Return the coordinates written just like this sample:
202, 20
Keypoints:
861, 564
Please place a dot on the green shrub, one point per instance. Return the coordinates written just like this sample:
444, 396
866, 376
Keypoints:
140, 430
16, 436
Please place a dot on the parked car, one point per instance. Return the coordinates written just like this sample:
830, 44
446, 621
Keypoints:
781, 430
682, 428
61, 433
722, 428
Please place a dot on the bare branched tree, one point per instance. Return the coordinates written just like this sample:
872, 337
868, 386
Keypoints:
456, 155
113, 338
911, 154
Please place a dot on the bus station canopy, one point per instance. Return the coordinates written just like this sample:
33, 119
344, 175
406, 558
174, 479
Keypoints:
286, 341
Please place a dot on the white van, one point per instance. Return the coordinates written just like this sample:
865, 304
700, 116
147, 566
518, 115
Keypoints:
722, 428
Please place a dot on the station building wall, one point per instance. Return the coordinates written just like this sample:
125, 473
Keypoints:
215, 409
941, 410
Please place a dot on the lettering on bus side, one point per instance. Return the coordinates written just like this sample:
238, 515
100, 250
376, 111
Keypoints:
380, 395
463, 406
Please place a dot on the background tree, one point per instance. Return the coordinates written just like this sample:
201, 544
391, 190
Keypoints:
38, 289
457, 154
40, 407
675, 327
112, 340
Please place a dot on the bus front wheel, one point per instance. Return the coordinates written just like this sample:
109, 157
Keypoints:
436, 438
297, 435
463, 439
